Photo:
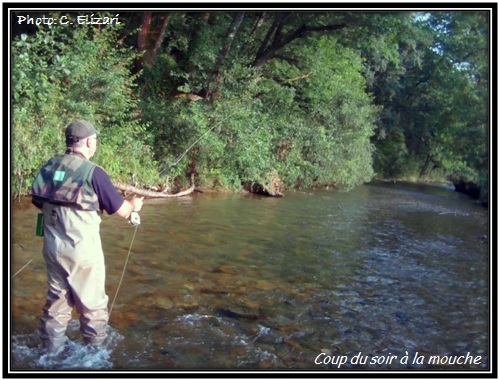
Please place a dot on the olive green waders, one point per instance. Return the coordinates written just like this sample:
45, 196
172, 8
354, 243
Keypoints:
76, 275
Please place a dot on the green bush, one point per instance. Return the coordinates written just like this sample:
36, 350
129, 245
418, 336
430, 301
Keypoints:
310, 132
62, 74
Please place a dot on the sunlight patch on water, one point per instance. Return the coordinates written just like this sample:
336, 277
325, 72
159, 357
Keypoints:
192, 319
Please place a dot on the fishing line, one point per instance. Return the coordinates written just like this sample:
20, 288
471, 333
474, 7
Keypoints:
172, 164
15, 274
123, 273
193, 144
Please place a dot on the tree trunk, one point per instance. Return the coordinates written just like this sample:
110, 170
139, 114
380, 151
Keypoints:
215, 78
259, 22
143, 37
154, 194
425, 167
229, 38
164, 18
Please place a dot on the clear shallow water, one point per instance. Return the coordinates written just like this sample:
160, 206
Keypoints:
247, 282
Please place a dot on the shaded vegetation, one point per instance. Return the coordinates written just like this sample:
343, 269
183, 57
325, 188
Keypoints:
311, 98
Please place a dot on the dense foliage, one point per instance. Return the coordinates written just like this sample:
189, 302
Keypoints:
58, 77
314, 99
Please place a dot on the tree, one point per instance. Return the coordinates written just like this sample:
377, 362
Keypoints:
434, 95
151, 37
233, 97
60, 74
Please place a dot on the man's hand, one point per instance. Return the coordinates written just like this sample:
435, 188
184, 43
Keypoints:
130, 206
137, 203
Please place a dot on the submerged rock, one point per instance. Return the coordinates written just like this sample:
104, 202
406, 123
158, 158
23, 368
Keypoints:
238, 309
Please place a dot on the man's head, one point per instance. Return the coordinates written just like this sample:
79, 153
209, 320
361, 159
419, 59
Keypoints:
81, 136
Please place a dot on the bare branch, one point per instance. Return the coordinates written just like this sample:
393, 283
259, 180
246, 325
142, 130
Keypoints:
266, 52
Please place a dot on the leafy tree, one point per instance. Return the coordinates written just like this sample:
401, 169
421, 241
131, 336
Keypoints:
462, 38
434, 94
237, 97
61, 74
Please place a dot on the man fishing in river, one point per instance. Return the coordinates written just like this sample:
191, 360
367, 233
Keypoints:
71, 190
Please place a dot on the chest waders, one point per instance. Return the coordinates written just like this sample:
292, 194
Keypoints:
76, 275
72, 250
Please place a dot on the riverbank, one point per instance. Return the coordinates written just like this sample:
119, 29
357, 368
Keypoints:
245, 190
471, 189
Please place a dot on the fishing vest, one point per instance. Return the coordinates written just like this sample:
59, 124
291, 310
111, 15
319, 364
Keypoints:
66, 180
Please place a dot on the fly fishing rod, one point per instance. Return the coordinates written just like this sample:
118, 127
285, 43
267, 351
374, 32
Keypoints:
134, 218
181, 156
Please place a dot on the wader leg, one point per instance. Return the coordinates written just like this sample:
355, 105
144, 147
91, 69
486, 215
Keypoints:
56, 312
88, 285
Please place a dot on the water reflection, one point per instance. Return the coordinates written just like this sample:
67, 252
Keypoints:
246, 282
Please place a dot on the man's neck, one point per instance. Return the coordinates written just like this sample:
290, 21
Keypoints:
77, 152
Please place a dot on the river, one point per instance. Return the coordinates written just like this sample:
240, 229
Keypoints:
395, 275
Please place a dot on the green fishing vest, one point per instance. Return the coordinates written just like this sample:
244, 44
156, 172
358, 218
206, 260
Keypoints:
66, 180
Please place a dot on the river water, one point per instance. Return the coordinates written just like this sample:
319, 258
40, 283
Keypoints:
310, 281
